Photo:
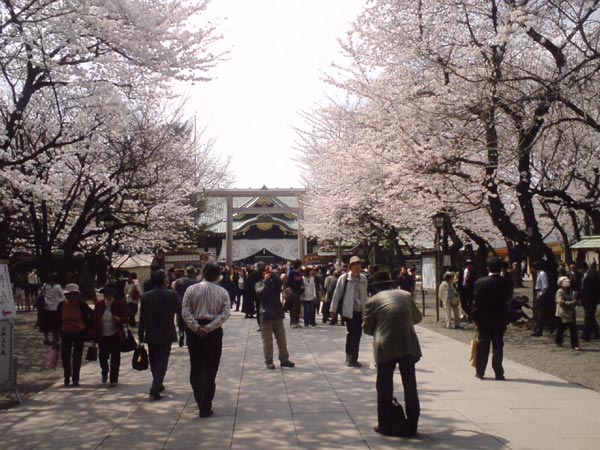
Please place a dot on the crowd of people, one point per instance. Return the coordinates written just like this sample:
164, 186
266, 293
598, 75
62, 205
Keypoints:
190, 308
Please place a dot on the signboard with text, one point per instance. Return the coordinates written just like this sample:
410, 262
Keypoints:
428, 272
7, 302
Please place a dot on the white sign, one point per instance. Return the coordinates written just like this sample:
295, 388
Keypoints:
6, 355
7, 302
428, 272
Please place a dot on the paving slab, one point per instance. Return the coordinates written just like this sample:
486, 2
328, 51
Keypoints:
320, 404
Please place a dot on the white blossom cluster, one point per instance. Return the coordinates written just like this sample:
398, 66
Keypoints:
485, 110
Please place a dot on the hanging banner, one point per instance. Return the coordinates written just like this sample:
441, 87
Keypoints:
7, 302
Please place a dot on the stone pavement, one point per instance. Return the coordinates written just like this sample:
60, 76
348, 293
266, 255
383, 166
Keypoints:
319, 404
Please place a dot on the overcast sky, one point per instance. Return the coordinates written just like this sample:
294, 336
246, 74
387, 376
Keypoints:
279, 51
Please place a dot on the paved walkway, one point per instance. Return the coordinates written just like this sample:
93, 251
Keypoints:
319, 404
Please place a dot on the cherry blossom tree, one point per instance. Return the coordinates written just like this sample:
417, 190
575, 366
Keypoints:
481, 109
83, 90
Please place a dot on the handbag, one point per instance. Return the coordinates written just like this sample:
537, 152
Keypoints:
52, 357
129, 344
399, 422
40, 302
92, 353
140, 358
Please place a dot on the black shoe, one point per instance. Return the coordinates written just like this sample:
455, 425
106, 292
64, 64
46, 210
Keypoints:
500, 378
104, 378
479, 376
75, 383
155, 396
67, 382
161, 388
288, 364
270, 366
353, 363
181, 340
208, 413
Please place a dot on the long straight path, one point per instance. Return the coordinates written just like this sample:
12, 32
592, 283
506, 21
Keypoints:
319, 404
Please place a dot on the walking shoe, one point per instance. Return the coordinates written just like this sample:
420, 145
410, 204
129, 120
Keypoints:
208, 413
161, 388
294, 325
270, 366
112, 384
75, 383
104, 378
67, 381
288, 364
155, 395
500, 378
479, 376
353, 363
576, 349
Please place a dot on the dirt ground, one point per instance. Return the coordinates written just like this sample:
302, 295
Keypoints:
580, 367
32, 374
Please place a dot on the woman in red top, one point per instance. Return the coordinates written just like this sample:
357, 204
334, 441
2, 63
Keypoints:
110, 314
74, 319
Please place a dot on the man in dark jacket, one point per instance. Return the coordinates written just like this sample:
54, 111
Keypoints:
589, 297
157, 313
466, 285
490, 314
271, 318
180, 285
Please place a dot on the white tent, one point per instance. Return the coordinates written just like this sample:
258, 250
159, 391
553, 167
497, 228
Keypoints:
140, 264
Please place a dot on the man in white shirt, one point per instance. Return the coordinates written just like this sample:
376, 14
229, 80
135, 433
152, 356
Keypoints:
541, 293
206, 307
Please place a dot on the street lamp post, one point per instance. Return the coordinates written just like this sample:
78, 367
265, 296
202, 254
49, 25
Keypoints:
438, 222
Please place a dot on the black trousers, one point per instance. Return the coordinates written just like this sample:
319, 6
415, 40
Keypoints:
572, 326
385, 392
495, 336
205, 357
354, 329
71, 345
110, 347
590, 325
295, 309
466, 303
325, 311
133, 308
158, 356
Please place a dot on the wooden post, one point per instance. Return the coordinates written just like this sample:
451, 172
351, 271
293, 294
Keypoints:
423, 300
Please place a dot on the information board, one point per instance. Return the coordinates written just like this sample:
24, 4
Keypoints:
7, 302
428, 272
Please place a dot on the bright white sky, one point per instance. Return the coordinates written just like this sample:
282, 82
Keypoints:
279, 51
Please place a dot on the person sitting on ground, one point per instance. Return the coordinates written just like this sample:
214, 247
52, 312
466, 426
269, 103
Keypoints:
515, 308
271, 319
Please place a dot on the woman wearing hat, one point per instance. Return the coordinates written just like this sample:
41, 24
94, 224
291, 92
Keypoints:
75, 322
565, 311
110, 315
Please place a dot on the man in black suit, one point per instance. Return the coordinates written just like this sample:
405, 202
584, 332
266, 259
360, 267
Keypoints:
466, 285
491, 315
157, 313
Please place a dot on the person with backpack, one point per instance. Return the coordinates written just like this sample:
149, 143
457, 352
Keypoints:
351, 293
